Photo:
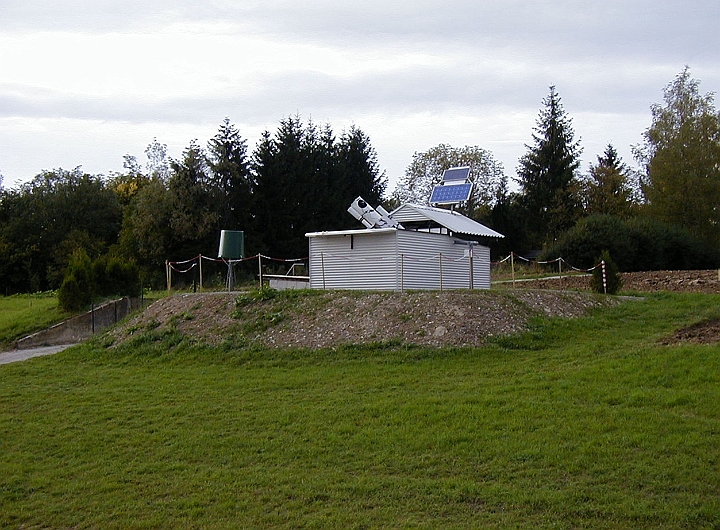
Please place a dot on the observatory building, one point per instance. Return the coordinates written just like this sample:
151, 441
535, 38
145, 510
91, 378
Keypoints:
412, 247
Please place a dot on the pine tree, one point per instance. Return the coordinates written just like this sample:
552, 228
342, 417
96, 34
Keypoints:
281, 177
304, 182
194, 219
547, 174
230, 177
358, 173
606, 278
608, 189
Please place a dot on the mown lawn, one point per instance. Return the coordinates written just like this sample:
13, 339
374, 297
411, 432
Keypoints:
588, 423
23, 314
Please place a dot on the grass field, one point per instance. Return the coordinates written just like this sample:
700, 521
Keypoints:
21, 315
586, 423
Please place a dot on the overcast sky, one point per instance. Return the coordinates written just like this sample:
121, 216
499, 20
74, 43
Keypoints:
82, 83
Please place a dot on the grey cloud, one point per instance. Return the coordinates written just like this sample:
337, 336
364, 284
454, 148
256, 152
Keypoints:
684, 30
411, 90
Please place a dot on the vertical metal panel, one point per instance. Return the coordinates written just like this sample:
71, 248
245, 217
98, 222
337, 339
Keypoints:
421, 263
481, 266
369, 264
395, 260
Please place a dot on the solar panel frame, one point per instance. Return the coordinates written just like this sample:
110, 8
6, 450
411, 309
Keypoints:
456, 173
451, 194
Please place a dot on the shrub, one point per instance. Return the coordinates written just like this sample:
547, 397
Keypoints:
582, 244
106, 276
121, 277
77, 288
636, 245
613, 280
116, 276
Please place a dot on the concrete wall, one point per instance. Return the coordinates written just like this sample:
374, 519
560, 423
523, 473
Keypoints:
82, 326
281, 283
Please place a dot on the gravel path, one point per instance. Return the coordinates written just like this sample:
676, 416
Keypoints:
22, 355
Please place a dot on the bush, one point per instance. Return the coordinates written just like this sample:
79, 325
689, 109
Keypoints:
106, 276
636, 245
613, 280
77, 288
582, 244
115, 276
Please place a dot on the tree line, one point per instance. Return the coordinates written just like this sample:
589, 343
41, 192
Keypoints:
664, 215
302, 177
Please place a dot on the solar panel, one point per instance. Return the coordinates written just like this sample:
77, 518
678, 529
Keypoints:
456, 173
451, 194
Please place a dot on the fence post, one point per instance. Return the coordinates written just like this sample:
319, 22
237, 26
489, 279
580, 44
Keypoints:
322, 266
200, 266
470, 256
260, 270
402, 272
602, 263
441, 271
168, 274
512, 267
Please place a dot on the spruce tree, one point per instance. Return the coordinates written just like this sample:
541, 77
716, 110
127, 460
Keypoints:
609, 189
547, 174
281, 175
194, 220
304, 181
230, 177
358, 173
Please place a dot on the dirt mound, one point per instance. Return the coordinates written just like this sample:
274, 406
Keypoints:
452, 318
702, 333
641, 282
327, 319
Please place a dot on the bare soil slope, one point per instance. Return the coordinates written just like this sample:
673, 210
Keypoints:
450, 318
641, 282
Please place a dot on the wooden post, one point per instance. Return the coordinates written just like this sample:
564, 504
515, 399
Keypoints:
260, 270
512, 267
168, 274
200, 266
561, 276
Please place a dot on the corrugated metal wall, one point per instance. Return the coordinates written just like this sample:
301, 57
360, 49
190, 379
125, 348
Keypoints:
433, 261
363, 261
395, 260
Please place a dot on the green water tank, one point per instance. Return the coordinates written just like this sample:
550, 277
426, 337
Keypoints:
232, 244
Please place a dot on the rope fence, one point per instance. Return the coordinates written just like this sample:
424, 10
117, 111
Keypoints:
183, 267
560, 262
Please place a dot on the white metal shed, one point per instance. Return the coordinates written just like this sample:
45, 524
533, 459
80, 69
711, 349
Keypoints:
431, 251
